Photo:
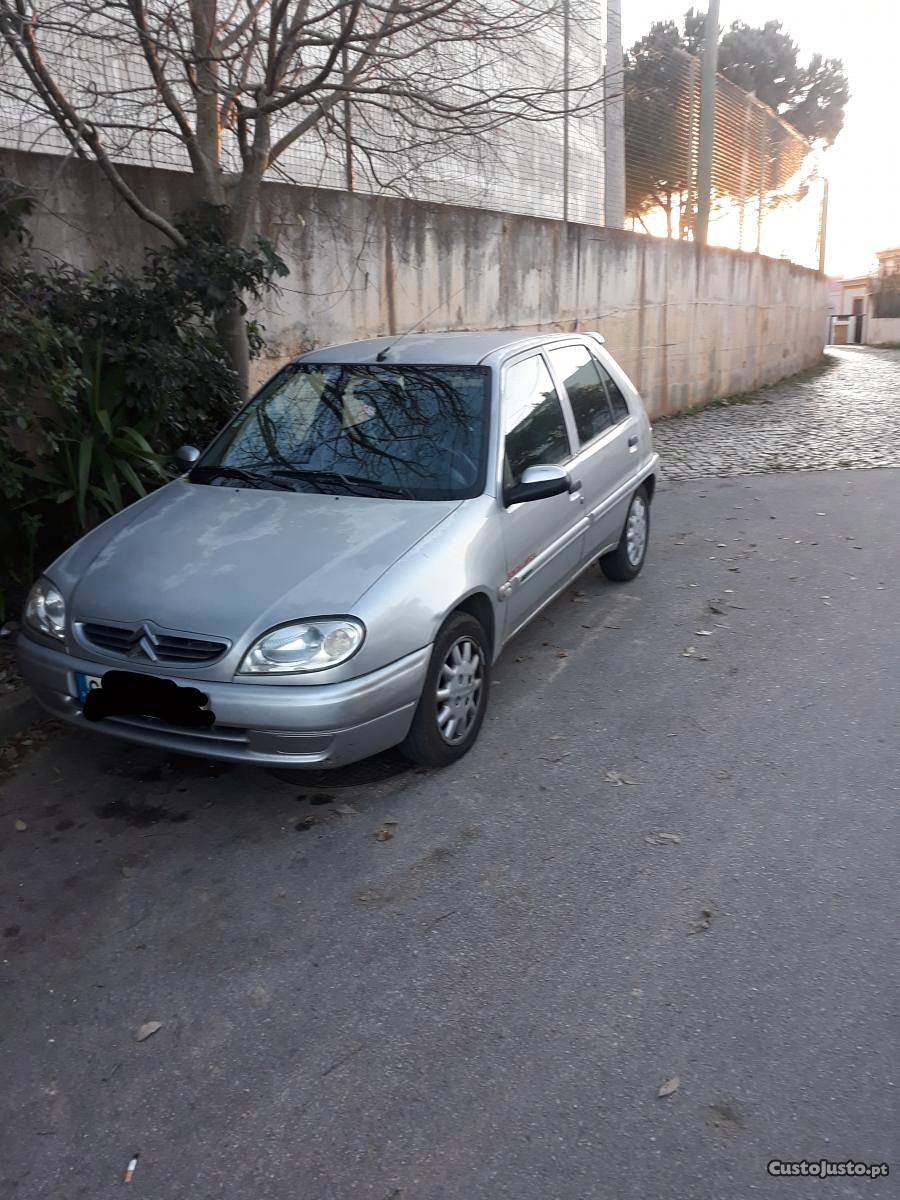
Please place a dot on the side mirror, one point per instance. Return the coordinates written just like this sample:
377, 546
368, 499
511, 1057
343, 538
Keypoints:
538, 483
186, 456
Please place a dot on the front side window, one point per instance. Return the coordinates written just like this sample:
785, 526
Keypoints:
581, 379
419, 432
535, 427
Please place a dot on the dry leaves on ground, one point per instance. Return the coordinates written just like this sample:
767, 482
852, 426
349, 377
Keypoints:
147, 1030
387, 830
701, 923
663, 839
617, 779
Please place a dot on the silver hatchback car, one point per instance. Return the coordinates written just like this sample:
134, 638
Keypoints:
336, 574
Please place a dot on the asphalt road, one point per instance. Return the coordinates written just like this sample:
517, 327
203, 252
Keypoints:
485, 1005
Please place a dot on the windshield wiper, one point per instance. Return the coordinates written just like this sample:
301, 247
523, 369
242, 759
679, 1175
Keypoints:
359, 485
212, 470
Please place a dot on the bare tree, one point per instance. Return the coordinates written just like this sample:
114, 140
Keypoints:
234, 85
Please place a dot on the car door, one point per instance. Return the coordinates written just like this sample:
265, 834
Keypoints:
607, 440
543, 539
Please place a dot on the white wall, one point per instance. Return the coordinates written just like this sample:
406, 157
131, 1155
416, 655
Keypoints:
883, 331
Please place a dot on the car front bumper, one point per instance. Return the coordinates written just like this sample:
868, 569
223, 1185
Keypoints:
307, 725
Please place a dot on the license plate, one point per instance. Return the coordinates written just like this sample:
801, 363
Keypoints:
128, 693
85, 684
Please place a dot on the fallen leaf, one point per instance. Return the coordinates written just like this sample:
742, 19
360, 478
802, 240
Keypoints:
714, 608
147, 1030
732, 568
562, 654
703, 632
383, 835
702, 923
305, 824
663, 839
346, 810
670, 1086
617, 779
689, 652
21, 826
390, 821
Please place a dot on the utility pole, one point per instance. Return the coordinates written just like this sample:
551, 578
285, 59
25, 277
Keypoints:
707, 121
614, 120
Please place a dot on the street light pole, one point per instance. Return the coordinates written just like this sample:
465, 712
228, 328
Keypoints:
707, 121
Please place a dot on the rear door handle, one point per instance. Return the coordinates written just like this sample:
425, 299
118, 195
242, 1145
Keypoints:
632, 443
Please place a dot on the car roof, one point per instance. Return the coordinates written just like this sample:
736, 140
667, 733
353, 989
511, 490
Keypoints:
467, 347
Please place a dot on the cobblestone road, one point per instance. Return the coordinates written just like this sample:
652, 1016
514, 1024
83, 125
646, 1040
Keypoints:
845, 415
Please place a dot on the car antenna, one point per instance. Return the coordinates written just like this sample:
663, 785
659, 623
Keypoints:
382, 354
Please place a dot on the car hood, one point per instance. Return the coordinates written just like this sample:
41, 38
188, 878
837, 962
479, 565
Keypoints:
226, 561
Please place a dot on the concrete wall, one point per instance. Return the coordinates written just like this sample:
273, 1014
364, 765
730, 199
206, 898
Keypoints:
883, 331
687, 324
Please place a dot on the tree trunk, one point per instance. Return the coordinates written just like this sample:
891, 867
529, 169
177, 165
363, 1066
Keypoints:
232, 330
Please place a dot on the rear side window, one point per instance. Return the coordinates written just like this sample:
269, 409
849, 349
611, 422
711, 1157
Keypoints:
535, 426
581, 377
617, 401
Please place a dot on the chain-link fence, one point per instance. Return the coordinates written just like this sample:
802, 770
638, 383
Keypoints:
766, 192
547, 165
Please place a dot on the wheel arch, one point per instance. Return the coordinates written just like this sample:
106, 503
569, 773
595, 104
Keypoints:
478, 605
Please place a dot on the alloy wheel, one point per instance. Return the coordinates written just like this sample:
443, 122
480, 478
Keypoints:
636, 531
459, 689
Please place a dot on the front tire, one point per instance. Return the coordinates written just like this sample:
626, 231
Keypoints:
626, 560
454, 697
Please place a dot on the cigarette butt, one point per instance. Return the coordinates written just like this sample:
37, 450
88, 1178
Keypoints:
129, 1170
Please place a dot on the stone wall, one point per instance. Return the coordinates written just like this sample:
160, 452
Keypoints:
688, 324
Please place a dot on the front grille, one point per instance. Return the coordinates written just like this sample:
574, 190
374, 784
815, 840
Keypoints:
146, 643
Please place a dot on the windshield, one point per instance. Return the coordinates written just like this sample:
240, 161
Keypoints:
419, 432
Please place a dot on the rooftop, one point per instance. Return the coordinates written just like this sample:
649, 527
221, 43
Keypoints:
462, 348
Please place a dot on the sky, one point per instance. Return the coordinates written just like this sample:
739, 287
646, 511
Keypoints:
863, 165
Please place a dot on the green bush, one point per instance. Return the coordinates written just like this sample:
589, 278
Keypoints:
103, 374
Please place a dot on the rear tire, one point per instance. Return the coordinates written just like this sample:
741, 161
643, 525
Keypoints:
626, 560
454, 697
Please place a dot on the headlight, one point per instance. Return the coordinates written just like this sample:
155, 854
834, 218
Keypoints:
45, 610
304, 646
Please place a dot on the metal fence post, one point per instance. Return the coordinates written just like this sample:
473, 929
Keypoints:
614, 120
348, 131
823, 224
763, 164
565, 171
